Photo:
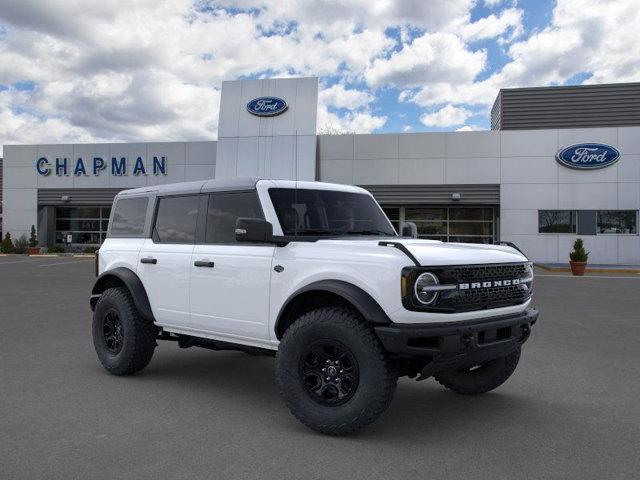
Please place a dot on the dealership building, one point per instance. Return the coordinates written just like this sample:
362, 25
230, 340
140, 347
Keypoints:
559, 163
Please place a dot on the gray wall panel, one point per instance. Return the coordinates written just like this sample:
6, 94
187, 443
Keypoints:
567, 107
435, 194
77, 196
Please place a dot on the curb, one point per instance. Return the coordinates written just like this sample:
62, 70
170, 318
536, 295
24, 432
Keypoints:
590, 269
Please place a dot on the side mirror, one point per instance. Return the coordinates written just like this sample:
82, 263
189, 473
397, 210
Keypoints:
254, 230
409, 229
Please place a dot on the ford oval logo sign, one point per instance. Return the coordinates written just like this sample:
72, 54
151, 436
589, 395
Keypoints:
267, 106
588, 156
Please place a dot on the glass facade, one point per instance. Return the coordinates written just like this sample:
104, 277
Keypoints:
448, 224
86, 225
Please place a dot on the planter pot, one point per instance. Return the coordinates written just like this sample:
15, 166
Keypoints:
578, 268
34, 250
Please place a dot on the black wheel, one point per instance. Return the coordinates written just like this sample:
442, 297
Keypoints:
123, 340
333, 373
480, 378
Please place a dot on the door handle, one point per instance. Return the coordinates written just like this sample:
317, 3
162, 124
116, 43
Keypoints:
149, 260
203, 263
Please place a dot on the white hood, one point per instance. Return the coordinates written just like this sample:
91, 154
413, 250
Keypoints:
439, 253
434, 253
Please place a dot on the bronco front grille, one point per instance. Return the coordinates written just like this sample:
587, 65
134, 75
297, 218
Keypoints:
477, 287
477, 273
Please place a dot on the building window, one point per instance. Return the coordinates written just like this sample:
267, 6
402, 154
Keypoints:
431, 222
556, 221
393, 214
453, 224
618, 221
86, 225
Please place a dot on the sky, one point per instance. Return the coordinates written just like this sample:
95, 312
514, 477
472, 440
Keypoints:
77, 71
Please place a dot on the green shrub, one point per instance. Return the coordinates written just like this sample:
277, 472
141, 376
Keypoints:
56, 249
579, 254
89, 249
20, 245
33, 238
7, 244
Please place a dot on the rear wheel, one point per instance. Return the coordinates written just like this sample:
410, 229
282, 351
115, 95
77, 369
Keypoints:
123, 340
333, 373
480, 378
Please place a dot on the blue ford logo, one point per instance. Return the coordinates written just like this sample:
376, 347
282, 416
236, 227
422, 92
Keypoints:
588, 156
267, 106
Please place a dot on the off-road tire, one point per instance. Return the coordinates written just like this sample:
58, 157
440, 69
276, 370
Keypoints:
482, 379
138, 335
377, 377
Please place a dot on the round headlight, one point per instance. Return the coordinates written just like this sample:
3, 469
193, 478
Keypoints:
424, 294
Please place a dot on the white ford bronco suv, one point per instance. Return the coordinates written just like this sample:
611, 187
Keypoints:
315, 275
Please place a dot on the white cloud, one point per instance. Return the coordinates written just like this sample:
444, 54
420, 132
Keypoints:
432, 57
338, 96
492, 3
351, 122
469, 128
447, 116
509, 20
152, 70
583, 37
407, 128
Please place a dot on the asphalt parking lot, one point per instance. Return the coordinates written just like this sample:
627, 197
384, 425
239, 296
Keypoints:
571, 410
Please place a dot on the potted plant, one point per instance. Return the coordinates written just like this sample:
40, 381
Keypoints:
33, 242
578, 258
7, 244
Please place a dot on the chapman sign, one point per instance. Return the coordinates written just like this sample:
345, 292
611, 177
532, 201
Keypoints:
267, 106
588, 156
96, 165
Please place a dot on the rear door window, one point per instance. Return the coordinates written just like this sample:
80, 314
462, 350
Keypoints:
176, 219
129, 216
224, 209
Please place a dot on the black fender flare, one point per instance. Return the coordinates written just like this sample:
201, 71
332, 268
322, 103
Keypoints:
133, 284
368, 307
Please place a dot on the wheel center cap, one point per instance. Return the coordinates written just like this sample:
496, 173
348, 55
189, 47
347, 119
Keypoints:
332, 370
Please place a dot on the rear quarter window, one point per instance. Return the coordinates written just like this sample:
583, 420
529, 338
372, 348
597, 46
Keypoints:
129, 216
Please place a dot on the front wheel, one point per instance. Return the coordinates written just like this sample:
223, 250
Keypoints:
333, 373
480, 378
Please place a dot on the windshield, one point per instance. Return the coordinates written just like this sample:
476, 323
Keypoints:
328, 212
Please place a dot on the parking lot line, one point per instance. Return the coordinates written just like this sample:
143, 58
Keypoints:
64, 263
20, 261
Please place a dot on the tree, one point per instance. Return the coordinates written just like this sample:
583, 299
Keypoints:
33, 238
333, 129
7, 244
579, 254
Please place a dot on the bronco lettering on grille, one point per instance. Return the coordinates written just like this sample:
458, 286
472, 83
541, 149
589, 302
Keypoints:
493, 283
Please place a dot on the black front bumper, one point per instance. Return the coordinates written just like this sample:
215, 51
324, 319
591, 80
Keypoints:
452, 345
